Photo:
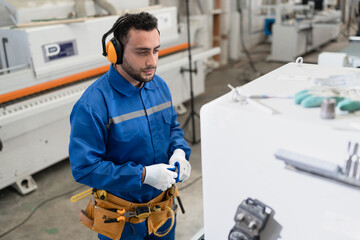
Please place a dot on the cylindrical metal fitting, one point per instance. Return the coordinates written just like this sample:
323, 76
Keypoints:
328, 108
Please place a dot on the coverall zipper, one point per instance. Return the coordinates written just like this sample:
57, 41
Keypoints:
147, 118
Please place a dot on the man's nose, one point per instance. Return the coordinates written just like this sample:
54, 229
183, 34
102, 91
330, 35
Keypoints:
152, 59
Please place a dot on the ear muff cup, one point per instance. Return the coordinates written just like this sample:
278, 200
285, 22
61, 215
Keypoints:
114, 51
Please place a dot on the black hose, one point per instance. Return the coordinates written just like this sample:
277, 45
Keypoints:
37, 208
239, 9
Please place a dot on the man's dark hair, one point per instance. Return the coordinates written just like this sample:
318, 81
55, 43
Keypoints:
140, 21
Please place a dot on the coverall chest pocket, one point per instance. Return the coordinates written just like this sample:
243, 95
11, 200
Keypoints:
166, 115
165, 124
125, 131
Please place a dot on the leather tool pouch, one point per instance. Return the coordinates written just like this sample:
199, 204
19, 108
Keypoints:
158, 218
100, 219
102, 216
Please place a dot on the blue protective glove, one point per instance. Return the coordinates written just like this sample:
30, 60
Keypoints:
310, 98
349, 105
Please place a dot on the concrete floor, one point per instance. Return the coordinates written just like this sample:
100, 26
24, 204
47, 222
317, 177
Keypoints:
48, 213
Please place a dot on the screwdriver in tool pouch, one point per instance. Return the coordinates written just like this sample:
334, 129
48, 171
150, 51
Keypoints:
176, 169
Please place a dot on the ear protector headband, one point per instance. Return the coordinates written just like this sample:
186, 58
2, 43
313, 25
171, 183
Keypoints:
113, 49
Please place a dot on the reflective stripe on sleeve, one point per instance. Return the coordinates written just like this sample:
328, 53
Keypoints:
140, 113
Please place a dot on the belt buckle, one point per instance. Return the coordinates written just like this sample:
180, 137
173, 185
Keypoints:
142, 212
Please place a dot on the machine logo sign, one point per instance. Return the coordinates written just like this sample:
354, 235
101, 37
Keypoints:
53, 51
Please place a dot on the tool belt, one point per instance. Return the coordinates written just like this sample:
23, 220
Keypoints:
106, 213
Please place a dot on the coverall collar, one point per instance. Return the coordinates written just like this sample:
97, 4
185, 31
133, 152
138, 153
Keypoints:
123, 86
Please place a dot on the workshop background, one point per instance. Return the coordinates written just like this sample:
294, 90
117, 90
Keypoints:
50, 53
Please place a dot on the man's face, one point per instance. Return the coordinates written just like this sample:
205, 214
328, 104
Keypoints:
141, 55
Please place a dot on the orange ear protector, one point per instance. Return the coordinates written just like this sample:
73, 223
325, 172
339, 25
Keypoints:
113, 49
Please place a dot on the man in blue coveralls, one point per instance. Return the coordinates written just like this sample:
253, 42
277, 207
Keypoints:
125, 138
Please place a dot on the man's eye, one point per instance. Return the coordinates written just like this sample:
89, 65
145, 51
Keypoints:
156, 50
141, 53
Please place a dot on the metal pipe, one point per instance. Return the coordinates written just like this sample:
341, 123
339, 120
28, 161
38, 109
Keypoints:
14, 68
80, 8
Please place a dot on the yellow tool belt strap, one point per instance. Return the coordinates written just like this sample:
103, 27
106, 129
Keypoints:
107, 213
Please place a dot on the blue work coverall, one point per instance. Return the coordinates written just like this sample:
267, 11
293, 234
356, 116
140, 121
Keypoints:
116, 130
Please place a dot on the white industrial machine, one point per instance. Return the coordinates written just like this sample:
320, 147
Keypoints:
299, 29
266, 148
46, 65
347, 57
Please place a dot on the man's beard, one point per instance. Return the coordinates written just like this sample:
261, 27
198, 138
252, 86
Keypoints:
137, 74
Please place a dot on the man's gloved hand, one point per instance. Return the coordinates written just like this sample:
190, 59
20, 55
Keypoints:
184, 165
161, 176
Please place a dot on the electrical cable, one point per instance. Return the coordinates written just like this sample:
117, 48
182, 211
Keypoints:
357, 22
239, 8
66, 193
191, 183
36, 208
350, 25
192, 114
351, 9
200, 7
309, 37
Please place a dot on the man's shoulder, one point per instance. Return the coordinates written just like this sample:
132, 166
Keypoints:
95, 90
157, 78
160, 82
93, 96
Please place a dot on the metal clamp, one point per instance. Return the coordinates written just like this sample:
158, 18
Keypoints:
250, 219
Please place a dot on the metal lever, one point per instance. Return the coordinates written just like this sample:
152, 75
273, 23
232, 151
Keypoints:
348, 161
355, 160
